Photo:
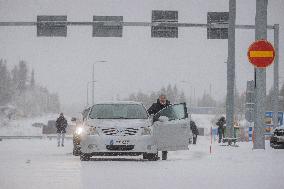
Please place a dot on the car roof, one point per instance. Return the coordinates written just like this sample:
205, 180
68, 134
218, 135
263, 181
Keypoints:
119, 102
280, 127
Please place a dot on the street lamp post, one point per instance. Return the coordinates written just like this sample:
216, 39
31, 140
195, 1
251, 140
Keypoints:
87, 100
191, 102
88, 83
93, 80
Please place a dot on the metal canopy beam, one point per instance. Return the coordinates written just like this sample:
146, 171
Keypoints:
184, 25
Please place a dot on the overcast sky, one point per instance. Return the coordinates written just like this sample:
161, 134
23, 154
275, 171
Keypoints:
136, 61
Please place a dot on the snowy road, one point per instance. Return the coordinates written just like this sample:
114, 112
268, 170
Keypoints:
39, 164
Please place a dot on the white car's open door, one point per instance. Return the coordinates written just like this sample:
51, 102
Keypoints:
171, 128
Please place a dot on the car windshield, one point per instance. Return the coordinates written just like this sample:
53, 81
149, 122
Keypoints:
118, 111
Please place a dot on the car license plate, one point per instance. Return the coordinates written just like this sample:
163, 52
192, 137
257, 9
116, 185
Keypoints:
119, 142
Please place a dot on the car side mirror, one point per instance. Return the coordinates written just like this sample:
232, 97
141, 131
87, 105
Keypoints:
188, 115
163, 119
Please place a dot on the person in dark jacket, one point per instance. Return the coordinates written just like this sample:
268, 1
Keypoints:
194, 131
221, 128
61, 124
161, 103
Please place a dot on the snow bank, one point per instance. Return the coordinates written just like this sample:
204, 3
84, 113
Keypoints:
23, 127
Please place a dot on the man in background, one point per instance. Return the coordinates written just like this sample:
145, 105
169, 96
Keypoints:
221, 128
194, 131
61, 124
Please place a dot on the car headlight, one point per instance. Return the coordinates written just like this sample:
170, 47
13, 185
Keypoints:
146, 131
92, 131
79, 130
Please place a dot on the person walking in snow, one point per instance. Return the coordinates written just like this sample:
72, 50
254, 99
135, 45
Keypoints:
61, 124
194, 131
161, 103
221, 128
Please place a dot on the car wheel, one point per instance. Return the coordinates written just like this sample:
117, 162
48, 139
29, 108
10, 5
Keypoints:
85, 157
76, 151
271, 144
151, 156
277, 146
164, 155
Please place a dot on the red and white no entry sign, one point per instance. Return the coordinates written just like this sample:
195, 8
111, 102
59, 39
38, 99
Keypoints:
261, 53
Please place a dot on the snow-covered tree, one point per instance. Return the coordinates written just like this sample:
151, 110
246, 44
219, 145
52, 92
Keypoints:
206, 101
28, 98
172, 94
5, 84
22, 76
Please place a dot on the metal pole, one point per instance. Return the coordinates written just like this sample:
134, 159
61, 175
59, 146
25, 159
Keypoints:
143, 24
194, 98
87, 94
276, 76
260, 77
93, 83
190, 86
210, 89
231, 69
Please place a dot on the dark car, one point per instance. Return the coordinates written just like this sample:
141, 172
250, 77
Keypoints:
277, 138
50, 128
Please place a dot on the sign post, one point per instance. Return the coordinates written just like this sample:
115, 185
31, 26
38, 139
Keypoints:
261, 54
276, 76
231, 70
260, 75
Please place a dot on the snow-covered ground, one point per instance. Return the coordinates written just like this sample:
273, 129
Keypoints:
40, 164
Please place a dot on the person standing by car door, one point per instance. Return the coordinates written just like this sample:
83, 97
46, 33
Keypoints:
61, 124
194, 131
161, 103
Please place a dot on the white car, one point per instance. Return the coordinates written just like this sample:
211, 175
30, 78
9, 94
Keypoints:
125, 128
